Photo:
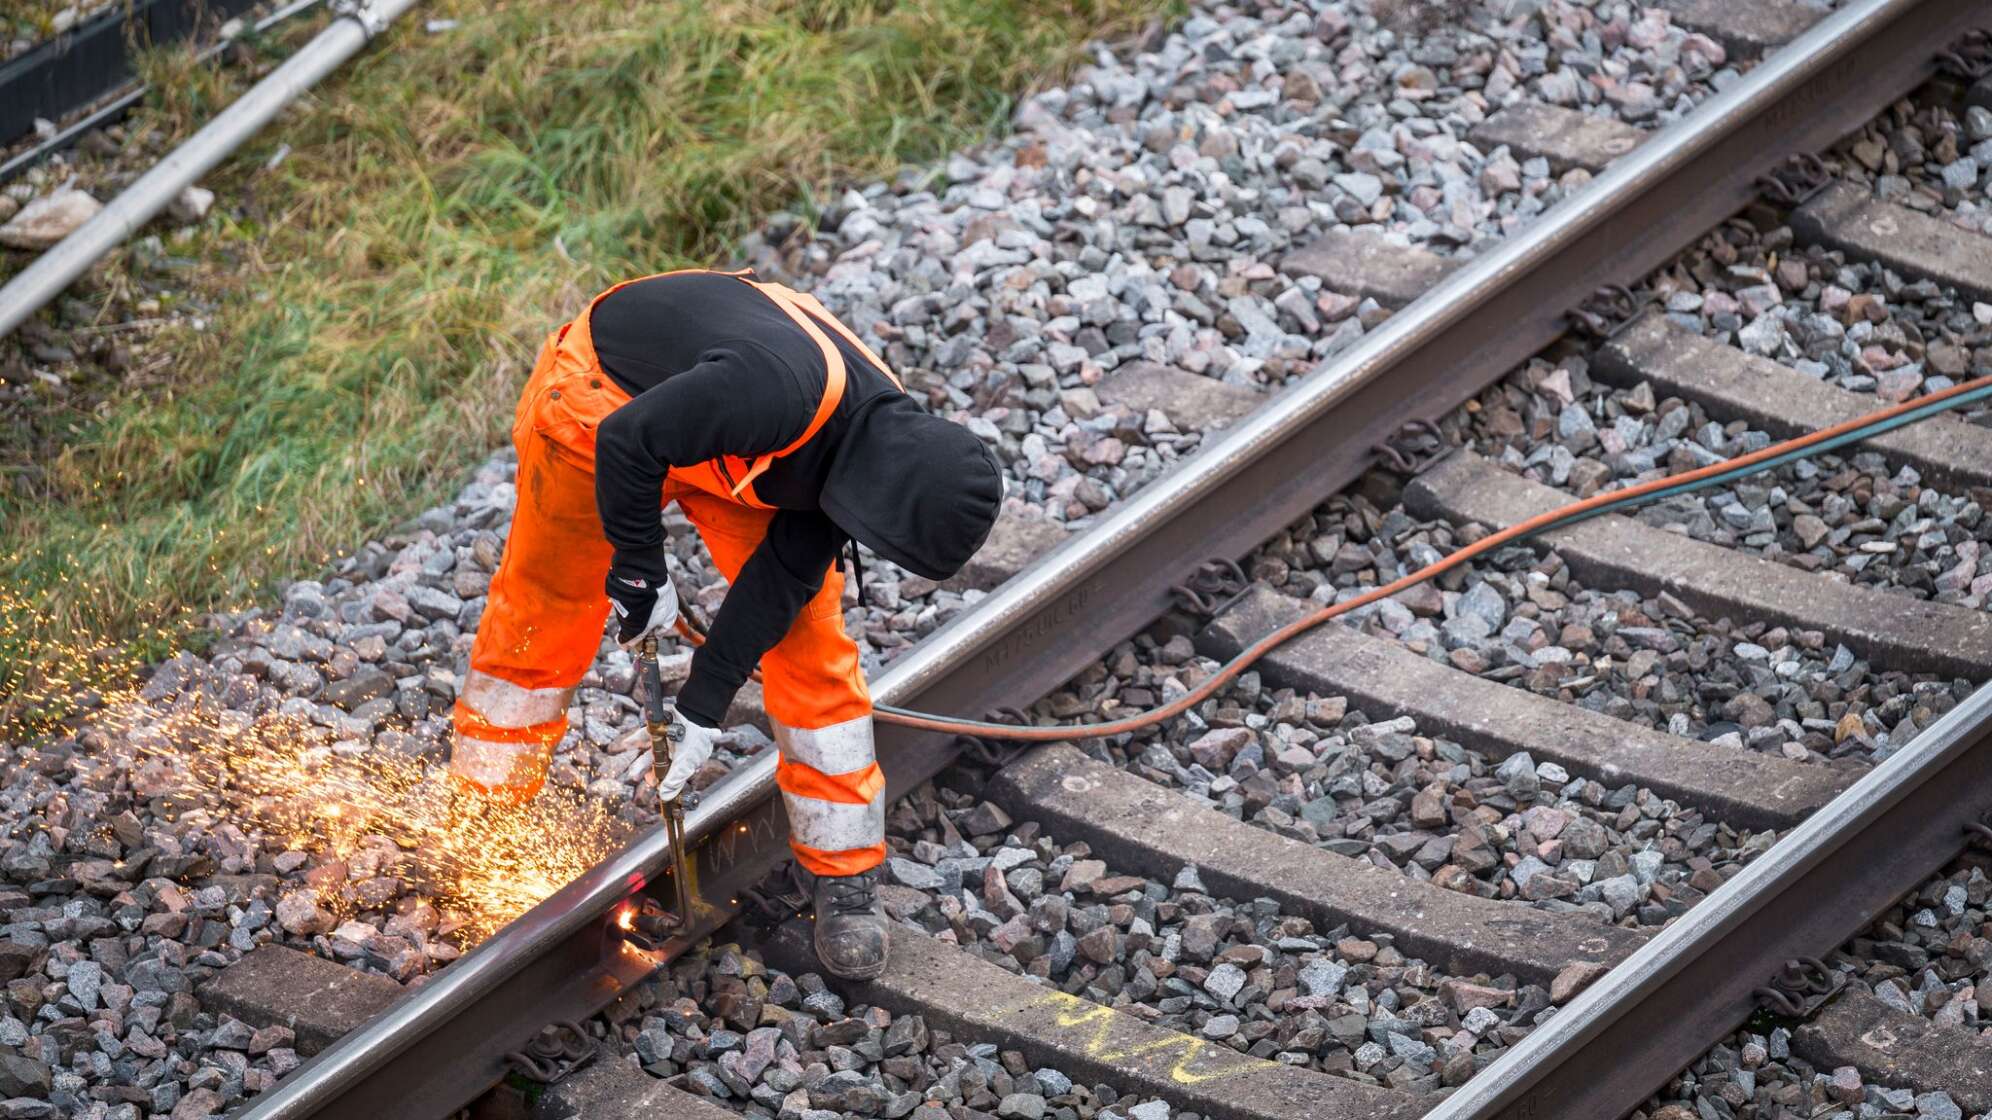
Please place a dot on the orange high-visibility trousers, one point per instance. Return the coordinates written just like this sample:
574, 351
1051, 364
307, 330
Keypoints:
543, 624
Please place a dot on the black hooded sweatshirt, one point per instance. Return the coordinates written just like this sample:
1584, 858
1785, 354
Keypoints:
715, 368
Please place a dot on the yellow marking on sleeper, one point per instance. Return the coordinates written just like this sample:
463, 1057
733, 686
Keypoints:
1074, 1013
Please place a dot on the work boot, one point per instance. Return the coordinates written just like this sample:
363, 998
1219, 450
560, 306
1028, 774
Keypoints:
851, 937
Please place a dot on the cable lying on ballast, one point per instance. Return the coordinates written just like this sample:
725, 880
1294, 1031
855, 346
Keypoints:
1776, 455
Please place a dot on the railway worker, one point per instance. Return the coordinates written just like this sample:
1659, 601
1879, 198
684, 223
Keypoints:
782, 437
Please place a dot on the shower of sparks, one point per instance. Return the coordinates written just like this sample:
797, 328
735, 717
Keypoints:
487, 863
306, 787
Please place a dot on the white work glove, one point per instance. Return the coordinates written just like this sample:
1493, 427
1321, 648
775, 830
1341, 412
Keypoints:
691, 746
644, 608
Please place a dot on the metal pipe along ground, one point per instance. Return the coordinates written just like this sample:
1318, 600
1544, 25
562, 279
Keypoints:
184, 166
122, 104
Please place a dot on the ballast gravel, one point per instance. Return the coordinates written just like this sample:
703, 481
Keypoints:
1847, 322
1311, 768
1930, 955
1926, 956
721, 1024
1239, 973
1852, 516
1752, 1076
1517, 615
1927, 154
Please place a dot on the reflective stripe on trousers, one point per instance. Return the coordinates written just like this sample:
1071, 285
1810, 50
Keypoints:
835, 794
505, 734
509, 771
504, 704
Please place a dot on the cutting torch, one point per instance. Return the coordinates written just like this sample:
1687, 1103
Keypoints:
659, 719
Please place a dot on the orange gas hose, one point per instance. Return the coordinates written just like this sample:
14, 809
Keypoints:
1246, 658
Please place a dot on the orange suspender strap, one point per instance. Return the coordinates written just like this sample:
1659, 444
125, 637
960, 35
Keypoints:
833, 377
811, 303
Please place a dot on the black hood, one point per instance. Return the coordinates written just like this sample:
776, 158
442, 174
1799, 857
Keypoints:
914, 488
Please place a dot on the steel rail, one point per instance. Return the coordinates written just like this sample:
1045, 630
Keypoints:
52, 272
445, 1042
1647, 1019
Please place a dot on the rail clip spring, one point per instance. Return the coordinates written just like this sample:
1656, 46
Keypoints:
1607, 311
1970, 57
1214, 586
557, 1050
1795, 181
1800, 987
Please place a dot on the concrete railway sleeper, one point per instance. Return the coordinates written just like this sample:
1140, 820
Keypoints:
425, 1052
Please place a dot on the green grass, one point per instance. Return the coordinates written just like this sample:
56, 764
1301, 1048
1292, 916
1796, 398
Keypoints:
447, 199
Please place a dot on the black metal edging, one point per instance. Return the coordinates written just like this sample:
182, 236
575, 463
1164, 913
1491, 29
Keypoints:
1247, 482
83, 63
